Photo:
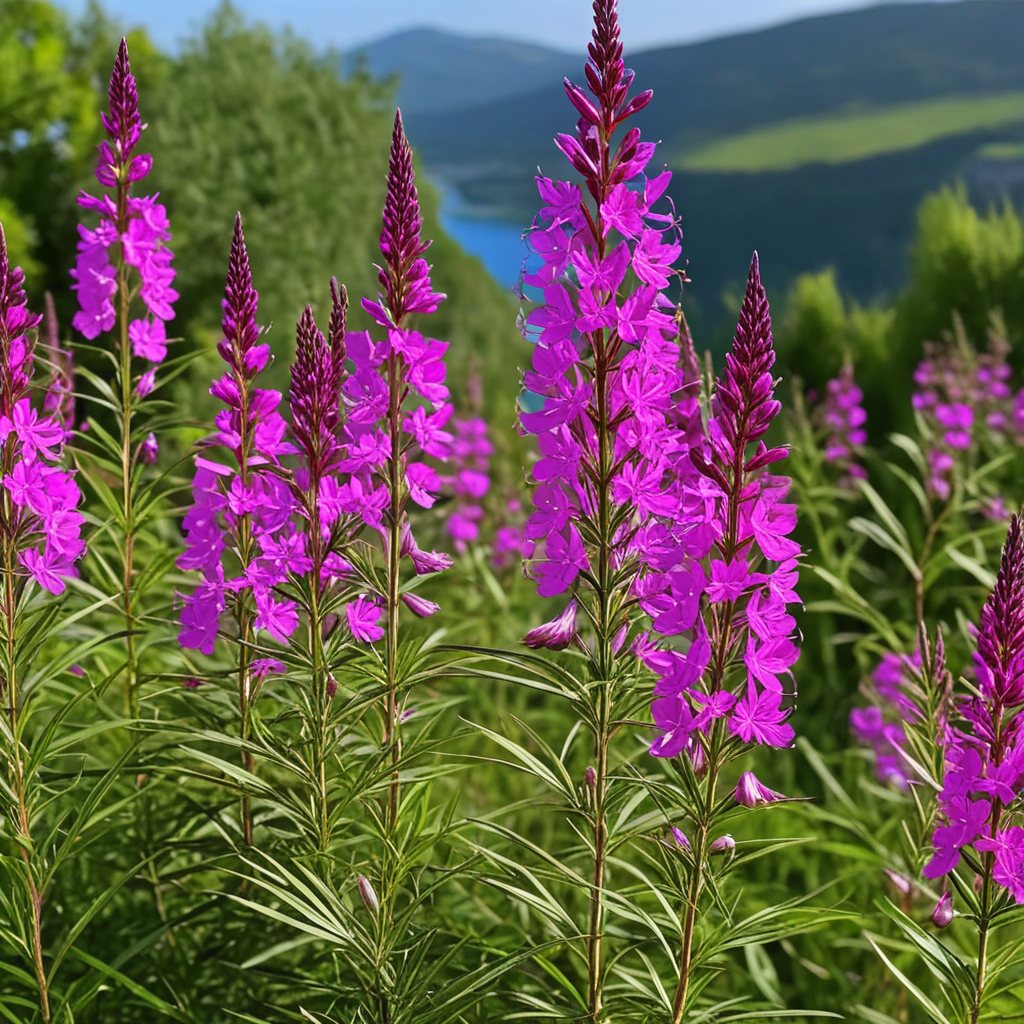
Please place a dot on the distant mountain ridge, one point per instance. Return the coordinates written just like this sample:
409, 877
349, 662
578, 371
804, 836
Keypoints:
859, 71
441, 72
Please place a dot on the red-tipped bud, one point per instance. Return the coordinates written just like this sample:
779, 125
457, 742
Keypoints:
636, 104
579, 100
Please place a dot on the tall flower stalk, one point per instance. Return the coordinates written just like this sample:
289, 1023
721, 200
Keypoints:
980, 802
315, 400
39, 544
124, 259
606, 361
726, 693
383, 432
241, 506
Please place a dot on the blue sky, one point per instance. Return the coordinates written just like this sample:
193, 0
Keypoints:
564, 24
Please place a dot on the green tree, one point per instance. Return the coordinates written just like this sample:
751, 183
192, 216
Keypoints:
262, 124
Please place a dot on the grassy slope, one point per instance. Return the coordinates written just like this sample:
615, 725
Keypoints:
838, 139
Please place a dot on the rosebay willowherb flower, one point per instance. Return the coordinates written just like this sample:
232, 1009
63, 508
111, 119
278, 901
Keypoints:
241, 516
396, 409
843, 418
606, 365
984, 770
132, 234
41, 521
241, 506
734, 527
964, 399
470, 451
39, 526
977, 842
726, 693
123, 278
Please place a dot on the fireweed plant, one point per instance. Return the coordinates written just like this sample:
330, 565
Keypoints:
909, 555
665, 530
40, 523
288, 810
957, 752
303, 534
123, 282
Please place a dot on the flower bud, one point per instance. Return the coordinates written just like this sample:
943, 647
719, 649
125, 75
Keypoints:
752, 793
150, 448
590, 777
901, 882
555, 635
368, 895
420, 605
943, 913
724, 844
680, 837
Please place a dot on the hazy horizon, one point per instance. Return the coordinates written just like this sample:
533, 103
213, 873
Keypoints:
560, 24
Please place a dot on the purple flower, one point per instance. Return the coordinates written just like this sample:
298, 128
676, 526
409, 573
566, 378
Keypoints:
758, 718
149, 449
133, 231
557, 634
723, 844
1000, 658
420, 606
752, 793
984, 755
363, 615
42, 525
843, 417
245, 507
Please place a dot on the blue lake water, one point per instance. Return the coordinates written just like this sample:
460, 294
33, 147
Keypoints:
498, 244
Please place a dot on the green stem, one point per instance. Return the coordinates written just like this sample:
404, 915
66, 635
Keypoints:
320, 694
395, 484
131, 676
700, 850
18, 780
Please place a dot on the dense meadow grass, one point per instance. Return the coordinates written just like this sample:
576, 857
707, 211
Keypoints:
384, 671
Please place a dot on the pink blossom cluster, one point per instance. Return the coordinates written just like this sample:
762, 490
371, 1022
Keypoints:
360, 434
981, 803
880, 726
700, 530
732, 525
510, 544
395, 398
41, 522
964, 397
469, 481
242, 509
133, 233
843, 417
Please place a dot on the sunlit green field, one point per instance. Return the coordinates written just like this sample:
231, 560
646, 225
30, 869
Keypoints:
840, 138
